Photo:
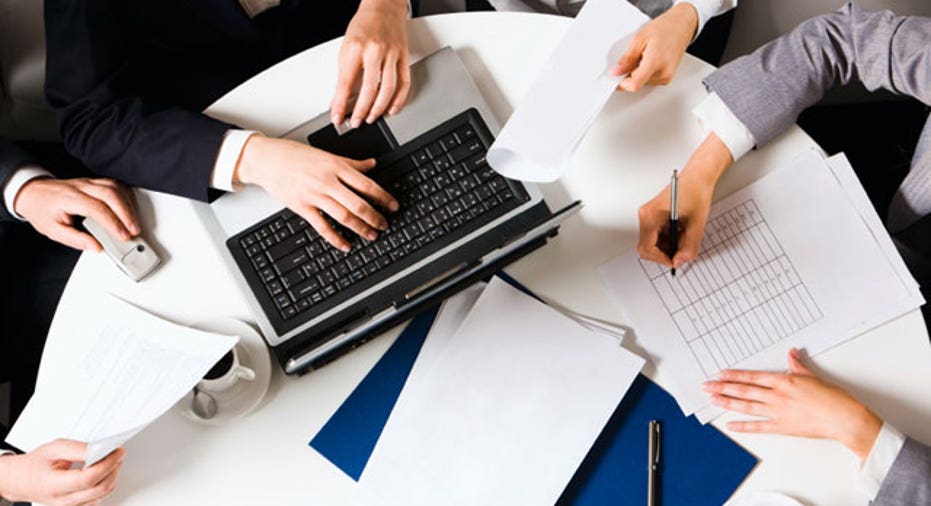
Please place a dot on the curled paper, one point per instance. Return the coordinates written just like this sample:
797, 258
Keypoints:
566, 97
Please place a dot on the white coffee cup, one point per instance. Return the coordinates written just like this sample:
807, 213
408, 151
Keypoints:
227, 380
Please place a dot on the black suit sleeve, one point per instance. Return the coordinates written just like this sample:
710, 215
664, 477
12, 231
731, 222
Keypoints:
102, 119
11, 158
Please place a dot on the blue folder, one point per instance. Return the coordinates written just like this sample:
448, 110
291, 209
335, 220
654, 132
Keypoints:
699, 464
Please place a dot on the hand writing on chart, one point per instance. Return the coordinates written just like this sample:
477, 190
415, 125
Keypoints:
796, 403
375, 45
696, 188
656, 50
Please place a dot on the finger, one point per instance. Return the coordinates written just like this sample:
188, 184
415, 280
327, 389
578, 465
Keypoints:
371, 78
64, 449
796, 366
128, 194
97, 492
648, 245
118, 203
629, 59
360, 209
739, 405
74, 238
754, 426
689, 245
738, 390
404, 86
638, 77
323, 227
77, 480
349, 66
760, 378
346, 218
365, 186
100, 212
389, 85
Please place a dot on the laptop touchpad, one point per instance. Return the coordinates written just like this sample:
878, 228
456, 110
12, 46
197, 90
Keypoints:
367, 141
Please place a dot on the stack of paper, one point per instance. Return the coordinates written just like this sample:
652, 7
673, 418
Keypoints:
796, 259
551, 119
109, 372
503, 404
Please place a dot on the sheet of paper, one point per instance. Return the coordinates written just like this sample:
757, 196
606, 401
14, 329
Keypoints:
506, 413
550, 121
109, 371
796, 259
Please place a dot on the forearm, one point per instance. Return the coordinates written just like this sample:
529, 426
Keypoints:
768, 89
708, 162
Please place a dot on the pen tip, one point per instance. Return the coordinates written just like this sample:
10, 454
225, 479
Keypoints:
673, 271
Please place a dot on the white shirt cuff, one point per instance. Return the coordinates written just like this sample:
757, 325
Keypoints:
716, 117
877, 465
15, 183
708, 9
230, 151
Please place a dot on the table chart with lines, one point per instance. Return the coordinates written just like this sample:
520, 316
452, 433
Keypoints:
740, 296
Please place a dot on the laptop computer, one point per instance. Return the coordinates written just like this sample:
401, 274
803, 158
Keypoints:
459, 221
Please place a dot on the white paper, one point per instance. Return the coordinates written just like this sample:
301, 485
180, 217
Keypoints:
550, 121
109, 370
505, 415
796, 259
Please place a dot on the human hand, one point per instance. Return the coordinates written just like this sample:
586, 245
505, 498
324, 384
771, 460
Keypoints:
45, 475
796, 403
696, 188
656, 50
310, 181
375, 44
51, 205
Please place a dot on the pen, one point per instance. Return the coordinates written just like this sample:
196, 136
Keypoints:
653, 464
674, 217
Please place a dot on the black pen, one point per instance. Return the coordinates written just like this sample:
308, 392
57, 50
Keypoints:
653, 464
674, 217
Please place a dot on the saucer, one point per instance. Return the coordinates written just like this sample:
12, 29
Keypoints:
243, 397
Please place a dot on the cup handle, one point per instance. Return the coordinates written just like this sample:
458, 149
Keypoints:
245, 373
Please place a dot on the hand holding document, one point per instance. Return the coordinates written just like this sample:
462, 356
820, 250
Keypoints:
109, 372
550, 121
505, 400
796, 259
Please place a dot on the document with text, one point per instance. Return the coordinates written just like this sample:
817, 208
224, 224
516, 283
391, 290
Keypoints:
797, 259
110, 369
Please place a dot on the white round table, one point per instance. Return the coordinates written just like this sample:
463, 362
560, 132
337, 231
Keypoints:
626, 158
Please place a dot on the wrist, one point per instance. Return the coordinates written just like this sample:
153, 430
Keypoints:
708, 163
246, 170
861, 432
386, 6
21, 199
688, 15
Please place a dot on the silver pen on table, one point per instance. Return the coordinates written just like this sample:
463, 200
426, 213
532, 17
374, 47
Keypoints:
653, 456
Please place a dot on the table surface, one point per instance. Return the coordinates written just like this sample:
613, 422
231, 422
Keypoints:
626, 158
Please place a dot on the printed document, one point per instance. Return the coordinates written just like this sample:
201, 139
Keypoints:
506, 412
796, 259
552, 118
110, 371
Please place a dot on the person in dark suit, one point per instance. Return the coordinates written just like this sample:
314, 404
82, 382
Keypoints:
34, 272
129, 79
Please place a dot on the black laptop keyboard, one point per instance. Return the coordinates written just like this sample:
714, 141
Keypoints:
445, 189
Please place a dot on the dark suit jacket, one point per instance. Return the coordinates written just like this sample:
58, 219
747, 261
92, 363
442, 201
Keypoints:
33, 274
129, 79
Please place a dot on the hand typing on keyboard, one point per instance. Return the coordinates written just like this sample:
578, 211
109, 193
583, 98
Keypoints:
310, 181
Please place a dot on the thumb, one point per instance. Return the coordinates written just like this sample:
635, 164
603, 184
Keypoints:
64, 449
628, 60
795, 363
363, 165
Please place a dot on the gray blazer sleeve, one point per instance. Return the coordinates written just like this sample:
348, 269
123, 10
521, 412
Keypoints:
11, 158
909, 479
769, 88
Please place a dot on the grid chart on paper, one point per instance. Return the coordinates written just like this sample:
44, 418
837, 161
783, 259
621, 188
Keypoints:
740, 296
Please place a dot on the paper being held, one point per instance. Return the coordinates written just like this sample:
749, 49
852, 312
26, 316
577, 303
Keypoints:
564, 100
109, 370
